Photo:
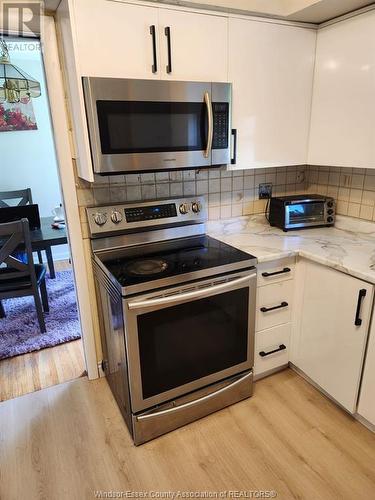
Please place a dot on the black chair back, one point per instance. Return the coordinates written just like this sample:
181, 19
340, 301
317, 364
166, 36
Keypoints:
29, 212
15, 239
23, 195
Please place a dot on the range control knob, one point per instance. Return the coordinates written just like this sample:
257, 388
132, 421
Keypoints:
196, 207
100, 218
116, 217
184, 208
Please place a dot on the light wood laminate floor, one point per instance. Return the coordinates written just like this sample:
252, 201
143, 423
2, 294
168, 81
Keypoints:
36, 370
67, 441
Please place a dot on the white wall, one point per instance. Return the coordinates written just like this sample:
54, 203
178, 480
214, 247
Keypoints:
27, 157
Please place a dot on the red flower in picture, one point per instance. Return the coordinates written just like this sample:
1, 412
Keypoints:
15, 117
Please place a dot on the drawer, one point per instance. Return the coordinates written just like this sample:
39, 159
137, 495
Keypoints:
276, 271
271, 340
276, 300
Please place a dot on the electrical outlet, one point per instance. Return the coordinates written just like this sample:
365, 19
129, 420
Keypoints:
265, 190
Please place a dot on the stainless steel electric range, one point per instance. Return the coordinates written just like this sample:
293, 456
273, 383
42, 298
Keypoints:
177, 313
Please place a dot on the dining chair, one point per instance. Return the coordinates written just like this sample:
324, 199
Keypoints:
18, 278
25, 197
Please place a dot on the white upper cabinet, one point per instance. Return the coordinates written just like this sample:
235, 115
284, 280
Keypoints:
198, 46
113, 39
132, 40
343, 111
271, 67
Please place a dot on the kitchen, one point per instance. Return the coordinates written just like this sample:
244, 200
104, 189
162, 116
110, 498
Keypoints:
193, 303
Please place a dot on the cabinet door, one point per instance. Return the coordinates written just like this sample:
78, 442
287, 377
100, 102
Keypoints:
271, 68
366, 405
331, 347
198, 46
114, 40
343, 110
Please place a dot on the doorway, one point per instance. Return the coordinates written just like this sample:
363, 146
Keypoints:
30, 358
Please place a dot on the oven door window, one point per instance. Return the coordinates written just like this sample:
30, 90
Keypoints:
151, 127
183, 343
306, 212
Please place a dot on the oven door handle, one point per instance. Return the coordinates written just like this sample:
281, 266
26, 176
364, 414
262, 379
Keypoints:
178, 297
207, 100
195, 401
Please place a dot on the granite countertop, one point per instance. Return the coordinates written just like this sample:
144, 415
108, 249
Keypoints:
348, 247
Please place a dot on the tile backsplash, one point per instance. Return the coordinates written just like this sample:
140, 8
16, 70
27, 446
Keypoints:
235, 193
353, 188
228, 193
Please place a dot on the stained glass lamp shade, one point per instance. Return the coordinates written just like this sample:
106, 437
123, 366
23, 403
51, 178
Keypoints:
15, 84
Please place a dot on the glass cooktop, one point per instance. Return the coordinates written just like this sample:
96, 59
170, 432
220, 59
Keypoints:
148, 263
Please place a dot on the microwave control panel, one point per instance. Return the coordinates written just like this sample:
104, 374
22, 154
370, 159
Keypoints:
221, 124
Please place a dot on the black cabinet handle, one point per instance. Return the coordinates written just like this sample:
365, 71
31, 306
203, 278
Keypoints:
280, 348
267, 309
285, 270
153, 34
234, 134
167, 32
361, 296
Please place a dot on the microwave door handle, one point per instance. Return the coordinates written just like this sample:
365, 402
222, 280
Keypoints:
203, 292
207, 100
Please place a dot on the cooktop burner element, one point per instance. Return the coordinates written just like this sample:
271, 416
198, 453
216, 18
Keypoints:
146, 267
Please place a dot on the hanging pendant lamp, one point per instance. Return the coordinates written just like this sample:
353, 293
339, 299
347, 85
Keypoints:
15, 84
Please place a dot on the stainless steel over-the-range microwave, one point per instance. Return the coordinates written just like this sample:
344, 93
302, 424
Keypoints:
150, 125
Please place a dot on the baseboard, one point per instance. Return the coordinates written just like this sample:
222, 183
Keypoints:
366, 423
270, 372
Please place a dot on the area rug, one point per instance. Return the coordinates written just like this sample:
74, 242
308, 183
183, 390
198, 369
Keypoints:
19, 331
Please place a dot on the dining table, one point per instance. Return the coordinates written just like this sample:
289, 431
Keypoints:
45, 237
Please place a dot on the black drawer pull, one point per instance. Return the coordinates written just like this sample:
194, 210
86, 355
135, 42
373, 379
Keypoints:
280, 348
285, 270
267, 309
361, 296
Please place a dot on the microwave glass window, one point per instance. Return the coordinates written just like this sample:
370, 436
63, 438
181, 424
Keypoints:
309, 212
186, 342
151, 127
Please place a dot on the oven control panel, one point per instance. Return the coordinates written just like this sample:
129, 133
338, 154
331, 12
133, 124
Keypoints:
161, 211
145, 215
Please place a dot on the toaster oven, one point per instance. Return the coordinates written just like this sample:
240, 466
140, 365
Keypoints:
301, 211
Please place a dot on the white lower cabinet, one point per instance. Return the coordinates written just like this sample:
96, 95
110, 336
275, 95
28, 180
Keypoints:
271, 349
331, 334
366, 404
